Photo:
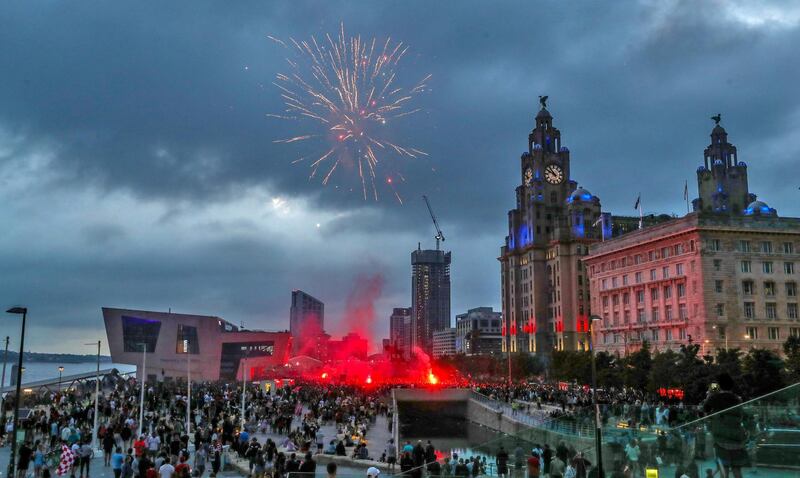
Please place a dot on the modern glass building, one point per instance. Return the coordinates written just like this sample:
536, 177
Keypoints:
204, 347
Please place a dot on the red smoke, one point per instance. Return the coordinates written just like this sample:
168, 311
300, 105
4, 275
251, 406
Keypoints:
359, 316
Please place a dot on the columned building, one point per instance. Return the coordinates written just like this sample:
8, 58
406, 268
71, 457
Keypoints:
545, 291
720, 277
430, 296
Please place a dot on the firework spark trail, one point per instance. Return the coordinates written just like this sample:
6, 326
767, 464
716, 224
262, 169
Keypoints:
348, 87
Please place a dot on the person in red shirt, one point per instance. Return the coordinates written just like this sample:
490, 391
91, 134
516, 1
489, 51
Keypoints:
139, 446
533, 466
183, 470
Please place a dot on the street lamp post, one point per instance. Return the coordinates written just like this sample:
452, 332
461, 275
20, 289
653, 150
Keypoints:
60, 372
18, 397
244, 387
96, 397
598, 433
3, 384
143, 385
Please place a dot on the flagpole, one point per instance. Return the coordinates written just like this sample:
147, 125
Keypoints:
686, 195
641, 214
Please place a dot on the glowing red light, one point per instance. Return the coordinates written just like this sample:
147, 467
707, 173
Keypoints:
432, 379
324, 374
369, 379
389, 180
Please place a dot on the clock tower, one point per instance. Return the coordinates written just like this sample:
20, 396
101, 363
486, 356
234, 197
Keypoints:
545, 294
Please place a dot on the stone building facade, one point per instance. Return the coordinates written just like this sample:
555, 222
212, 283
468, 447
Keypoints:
544, 289
721, 277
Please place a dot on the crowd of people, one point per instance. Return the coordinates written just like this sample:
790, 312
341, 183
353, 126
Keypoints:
59, 430
282, 432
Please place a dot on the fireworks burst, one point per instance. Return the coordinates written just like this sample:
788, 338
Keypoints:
348, 89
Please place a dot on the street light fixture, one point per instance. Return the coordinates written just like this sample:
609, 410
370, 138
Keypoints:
60, 372
12, 461
598, 433
96, 398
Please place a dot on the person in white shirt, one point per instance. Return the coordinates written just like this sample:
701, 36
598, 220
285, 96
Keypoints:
153, 444
166, 470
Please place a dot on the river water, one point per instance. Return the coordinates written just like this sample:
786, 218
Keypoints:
35, 371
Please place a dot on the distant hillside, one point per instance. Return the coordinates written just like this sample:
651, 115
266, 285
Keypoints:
55, 358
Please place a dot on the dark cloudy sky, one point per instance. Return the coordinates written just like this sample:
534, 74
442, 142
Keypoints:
138, 169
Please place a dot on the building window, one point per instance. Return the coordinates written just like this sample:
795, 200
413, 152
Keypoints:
637, 259
665, 272
626, 317
654, 314
718, 286
774, 333
747, 287
654, 294
605, 301
746, 266
749, 310
640, 316
652, 274
626, 298
714, 245
788, 248
603, 284
766, 266
654, 335
769, 288
681, 334
613, 282
681, 290
640, 296
720, 310
668, 313
138, 333
718, 265
651, 255
772, 310
638, 277
721, 332
744, 246
664, 252
791, 310
751, 333
788, 267
794, 331
187, 342
682, 312
667, 292
678, 269
766, 247
625, 280
615, 299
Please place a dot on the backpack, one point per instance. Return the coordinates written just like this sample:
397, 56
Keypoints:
570, 472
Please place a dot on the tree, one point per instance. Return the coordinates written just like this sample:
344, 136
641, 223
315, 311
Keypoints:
637, 366
791, 348
693, 374
662, 373
609, 373
730, 362
571, 365
762, 372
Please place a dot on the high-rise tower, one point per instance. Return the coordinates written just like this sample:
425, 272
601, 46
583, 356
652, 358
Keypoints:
545, 294
306, 323
430, 296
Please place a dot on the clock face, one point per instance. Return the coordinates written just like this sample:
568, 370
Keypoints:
553, 174
528, 176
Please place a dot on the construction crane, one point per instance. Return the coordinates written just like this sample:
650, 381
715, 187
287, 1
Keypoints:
439, 236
